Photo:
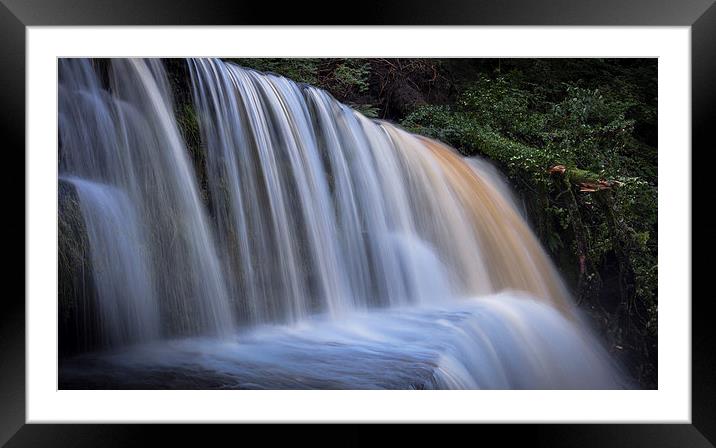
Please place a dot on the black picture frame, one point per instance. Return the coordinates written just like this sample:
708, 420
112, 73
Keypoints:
16, 15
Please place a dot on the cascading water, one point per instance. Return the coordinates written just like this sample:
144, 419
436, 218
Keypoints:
331, 251
129, 141
126, 298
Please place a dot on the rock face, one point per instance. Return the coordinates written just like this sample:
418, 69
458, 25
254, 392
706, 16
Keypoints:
73, 273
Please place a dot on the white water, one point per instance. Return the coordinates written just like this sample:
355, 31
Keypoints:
332, 251
127, 303
506, 341
130, 141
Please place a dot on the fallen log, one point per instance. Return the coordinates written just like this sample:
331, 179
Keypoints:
587, 181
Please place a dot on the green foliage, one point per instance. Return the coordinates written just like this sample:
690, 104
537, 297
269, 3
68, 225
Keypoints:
465, 131
349, 77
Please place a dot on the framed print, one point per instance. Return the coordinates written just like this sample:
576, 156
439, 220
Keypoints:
233, 219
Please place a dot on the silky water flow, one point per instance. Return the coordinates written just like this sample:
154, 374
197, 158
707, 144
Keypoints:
310, 247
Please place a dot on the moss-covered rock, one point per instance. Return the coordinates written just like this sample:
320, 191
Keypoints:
75, 287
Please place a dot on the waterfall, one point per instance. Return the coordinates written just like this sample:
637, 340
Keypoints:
311, 220
126, 298
365, 211
128, 140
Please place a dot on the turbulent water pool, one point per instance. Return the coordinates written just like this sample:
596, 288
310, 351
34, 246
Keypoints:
497, 342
